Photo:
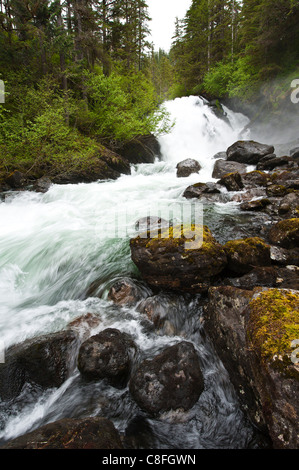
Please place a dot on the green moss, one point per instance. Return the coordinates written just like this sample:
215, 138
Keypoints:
243, 244
274, 323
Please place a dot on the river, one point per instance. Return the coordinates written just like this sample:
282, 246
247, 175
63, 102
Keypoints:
54, 245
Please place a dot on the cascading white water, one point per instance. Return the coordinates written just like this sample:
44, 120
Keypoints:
198, 133
53, 246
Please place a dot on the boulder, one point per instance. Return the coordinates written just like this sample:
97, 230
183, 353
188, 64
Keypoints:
260, 276
142, 149
289, 205
187, 167
271, 161
249, 152
42, 185
249, 195
172, 380
16, 180
198, 190
220, 155
256, 205
252, 332
283, 257
87, 433
245, 254
127, 292
276, 190
232, 181
285, 233
45, 361
222, 167
166, 311
107, 355
182, 261
255, 179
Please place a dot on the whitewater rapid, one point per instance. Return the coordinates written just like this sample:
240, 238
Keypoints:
53, 246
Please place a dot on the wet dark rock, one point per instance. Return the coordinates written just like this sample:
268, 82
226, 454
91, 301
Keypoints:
256, 205
96, 170
107, 355
261, 276
269, 163
249, 194
276, 190
167, 312
16, 180
117, 163
197, 190
87, 433
187, 167
255, 179
266, 383
245, 254
45, 361
294, 153
42, 185
288, 277
171, 380
220, 155
176, 262
232, 181
222, 167
285, 233
142, 149
127, 292
249, 152
284, 257
289, 205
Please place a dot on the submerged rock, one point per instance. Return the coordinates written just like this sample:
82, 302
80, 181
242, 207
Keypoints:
172, 380
187, 167
249, 152
183, 261
127, 292
107, 355
87, 433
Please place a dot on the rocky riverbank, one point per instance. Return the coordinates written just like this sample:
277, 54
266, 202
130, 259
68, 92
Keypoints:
104, 165
247, 288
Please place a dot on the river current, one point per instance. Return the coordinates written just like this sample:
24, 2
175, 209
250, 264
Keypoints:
53, 246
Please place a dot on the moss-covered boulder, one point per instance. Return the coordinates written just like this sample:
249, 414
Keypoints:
245, 254
179, 258
255, 334
232, 181
285, 233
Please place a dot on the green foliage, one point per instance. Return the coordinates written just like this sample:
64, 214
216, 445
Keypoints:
124, 106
